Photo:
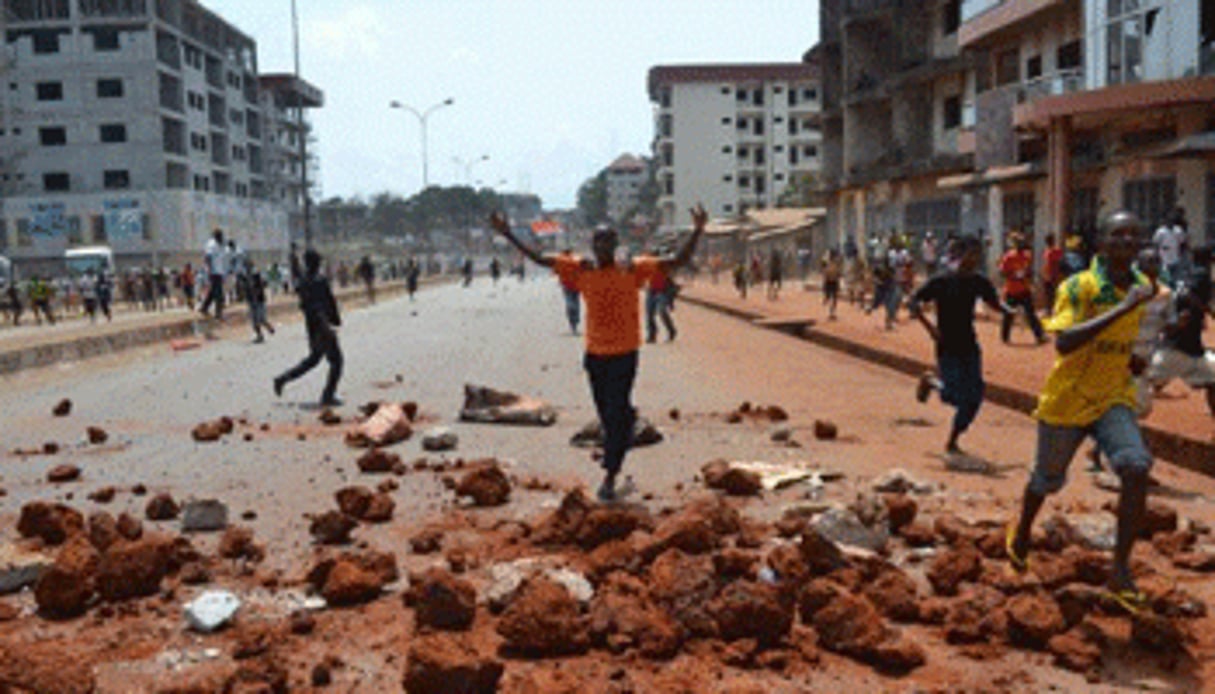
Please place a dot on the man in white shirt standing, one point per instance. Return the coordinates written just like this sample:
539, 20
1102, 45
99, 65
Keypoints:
1172, 242
215, 259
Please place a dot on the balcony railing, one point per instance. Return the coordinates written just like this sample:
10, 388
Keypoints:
1061, 82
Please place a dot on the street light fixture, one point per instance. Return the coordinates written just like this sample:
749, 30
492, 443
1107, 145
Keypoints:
422, 116
469, 165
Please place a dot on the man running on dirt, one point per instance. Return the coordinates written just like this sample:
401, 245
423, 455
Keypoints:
1090, 391
613, 326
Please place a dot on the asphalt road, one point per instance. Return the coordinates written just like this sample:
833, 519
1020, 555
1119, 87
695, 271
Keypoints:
512, 336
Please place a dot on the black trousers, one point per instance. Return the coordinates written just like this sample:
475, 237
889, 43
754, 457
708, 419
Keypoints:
322, 343
612, 388
1026, 303
215, 294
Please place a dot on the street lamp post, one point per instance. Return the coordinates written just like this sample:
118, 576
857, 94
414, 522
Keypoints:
469, 165
422, 117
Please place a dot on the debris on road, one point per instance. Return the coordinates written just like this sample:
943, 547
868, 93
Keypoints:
63, 473
440, 439
204, 515
490, 406
389, 424
211, 610
591, 435
96, 435
62, 408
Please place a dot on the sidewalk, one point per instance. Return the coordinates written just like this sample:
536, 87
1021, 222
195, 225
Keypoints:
30, 346
1180, 429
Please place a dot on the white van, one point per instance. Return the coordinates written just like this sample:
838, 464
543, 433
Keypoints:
97, 258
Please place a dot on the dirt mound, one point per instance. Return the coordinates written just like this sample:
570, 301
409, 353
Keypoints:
237, 543
623, 617
734, 481
684, 585
604, 524
749, 610
362, 503
441, 601
952, 567
51, 522
543, 620
65, 588
134, 569
445, 664
332, 528
348, 583
378, 460
162, 507
1033, 620
486, 484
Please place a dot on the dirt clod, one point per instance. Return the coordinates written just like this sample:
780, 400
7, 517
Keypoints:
544, 620
441, 600
486, 484
63, 473
162, 507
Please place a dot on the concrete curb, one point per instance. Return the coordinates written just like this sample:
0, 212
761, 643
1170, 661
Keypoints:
1176, 448
82, 348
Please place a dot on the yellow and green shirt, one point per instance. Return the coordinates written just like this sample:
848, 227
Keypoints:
1086, 383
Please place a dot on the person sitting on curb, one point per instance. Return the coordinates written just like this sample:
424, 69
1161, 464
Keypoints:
959, 377
1090, 391
613, 325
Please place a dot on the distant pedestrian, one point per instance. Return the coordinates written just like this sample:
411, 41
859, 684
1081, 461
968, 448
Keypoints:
40, 294
740, 279
1173, 242
832, 266
15, 307
613, 330
321, 319
1052, 261
495, 270
88, 294
658, 299
928, 254
775, 275
187, 285
1016, 267
366, 273
255, 294
105, 294
411, 277
467, 271
1090, 391
959, 376
573, 300
215, 260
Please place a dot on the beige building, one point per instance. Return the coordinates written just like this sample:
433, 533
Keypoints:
732, 137
625, 179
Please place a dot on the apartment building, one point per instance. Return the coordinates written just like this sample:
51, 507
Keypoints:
732, 136
894, 86
625, 178
135, 123
1088, 106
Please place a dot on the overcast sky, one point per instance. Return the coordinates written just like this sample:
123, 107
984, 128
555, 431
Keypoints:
551, 90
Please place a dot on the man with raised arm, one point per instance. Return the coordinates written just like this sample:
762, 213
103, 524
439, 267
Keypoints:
613, 325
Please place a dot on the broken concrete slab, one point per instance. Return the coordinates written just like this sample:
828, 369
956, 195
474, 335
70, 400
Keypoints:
204, 515
440, 439
490, 406
20, 567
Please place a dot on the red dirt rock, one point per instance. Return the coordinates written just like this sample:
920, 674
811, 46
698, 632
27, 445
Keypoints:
62, 408
623, 617
1074, 651
684, 585
53, 523
379, 509
718, 474
64, 589
900, 511
162, 507
428, 541
1157, 633
354, 501
951, 530
607, 523
207, 432
103, 496
237, 543
444, 664
63, 473
347, 584
820, 555
978, 616
918, 534
129, 527
486, 484
849, 624
895, 595
133, 569
697, 528
749, 610
1033, 619
825, 431
1201, 562
96, 435
954, 566
734, 563
442, 601
543, 620
332, 528
378, 460
103, 530
1173, 543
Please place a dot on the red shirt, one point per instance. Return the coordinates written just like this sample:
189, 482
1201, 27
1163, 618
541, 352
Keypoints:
1015, 266
1050, 263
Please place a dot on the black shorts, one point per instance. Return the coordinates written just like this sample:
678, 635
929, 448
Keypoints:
831, 287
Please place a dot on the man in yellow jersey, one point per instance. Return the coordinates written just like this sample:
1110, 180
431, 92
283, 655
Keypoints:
1091, 392
613, 325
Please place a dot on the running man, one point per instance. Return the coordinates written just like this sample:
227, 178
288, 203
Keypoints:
613, 326
1090, 391
321, 319
959, 377
832, 265
1182, 354
1016, 266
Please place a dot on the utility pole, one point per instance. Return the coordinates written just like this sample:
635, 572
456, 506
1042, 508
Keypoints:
299, 125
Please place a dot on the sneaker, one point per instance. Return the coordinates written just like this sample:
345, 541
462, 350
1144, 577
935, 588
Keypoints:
278, 387
607, 490
924, 388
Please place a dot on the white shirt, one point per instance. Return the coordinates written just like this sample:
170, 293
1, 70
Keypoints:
217, 258
88, 286
1156, 314
1169, 240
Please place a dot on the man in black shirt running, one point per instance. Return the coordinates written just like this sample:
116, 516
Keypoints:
959, 377
320, 318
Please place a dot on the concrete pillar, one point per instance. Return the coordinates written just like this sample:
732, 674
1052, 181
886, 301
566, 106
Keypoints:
1059, 172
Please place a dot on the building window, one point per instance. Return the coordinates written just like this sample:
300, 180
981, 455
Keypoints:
952, 116
114, 133
109, 89
744, 181
778, 177
727, 149
728, 178
50, 91
725, 91
105, 39
726, 120
1151, 199
761, 185
1070, 55
741, 123
1128, 25
664, 98
759, 156
727, 207
743, 152
740, 95
1084, 211
52, 137
1007, 67
809, 94
46, 41
793, 156
1033, 67
952, 16
809, 151
117, 180
757, 97
670, 186
56, 182
778, 149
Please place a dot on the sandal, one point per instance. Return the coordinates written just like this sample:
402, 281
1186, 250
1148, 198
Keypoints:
1129, 599
1019, 564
